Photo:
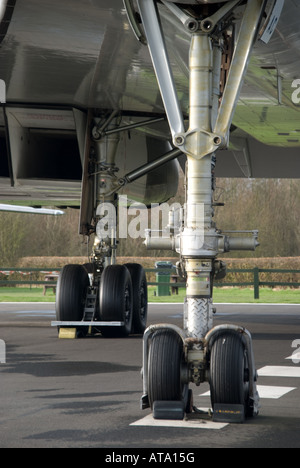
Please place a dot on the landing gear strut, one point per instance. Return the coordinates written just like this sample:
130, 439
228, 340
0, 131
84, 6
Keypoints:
222, 356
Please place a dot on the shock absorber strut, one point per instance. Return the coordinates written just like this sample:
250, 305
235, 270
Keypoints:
199, 238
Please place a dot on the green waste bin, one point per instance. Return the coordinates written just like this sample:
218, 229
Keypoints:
163, 277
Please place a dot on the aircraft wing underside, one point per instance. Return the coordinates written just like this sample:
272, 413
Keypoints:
59, 59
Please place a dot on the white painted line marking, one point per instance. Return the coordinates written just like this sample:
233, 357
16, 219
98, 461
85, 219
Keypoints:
266, 392
34, 313
273, 393
295, 357
149, 421
279, 371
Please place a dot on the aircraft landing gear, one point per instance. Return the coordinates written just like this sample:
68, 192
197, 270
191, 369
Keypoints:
222, 356
116, 302
101, 295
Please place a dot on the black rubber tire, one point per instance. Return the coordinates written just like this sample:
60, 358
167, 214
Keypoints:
164, 367
140, 297
71, 291
228, 370
115, 300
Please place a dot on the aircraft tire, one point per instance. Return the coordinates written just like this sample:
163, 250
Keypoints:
71, 293
115, 300
229, 376
140, 297
164, 367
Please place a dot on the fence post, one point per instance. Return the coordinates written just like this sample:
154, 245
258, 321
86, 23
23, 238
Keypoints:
256, 282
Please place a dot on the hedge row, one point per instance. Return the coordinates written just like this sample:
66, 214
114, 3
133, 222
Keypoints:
289, 263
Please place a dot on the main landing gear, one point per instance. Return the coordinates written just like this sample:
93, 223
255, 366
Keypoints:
113, 303
222, 356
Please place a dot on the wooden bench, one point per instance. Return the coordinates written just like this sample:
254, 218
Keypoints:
52, 277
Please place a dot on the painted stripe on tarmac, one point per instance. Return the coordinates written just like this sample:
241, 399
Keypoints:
279, 371
266, 392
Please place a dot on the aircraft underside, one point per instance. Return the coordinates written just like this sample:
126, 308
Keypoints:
113, 298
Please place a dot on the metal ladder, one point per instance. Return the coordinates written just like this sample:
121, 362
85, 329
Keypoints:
90, 308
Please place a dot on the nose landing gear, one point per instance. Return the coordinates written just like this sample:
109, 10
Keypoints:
222, 356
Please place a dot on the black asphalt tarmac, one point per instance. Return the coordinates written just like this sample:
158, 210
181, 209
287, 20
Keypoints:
86, 393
